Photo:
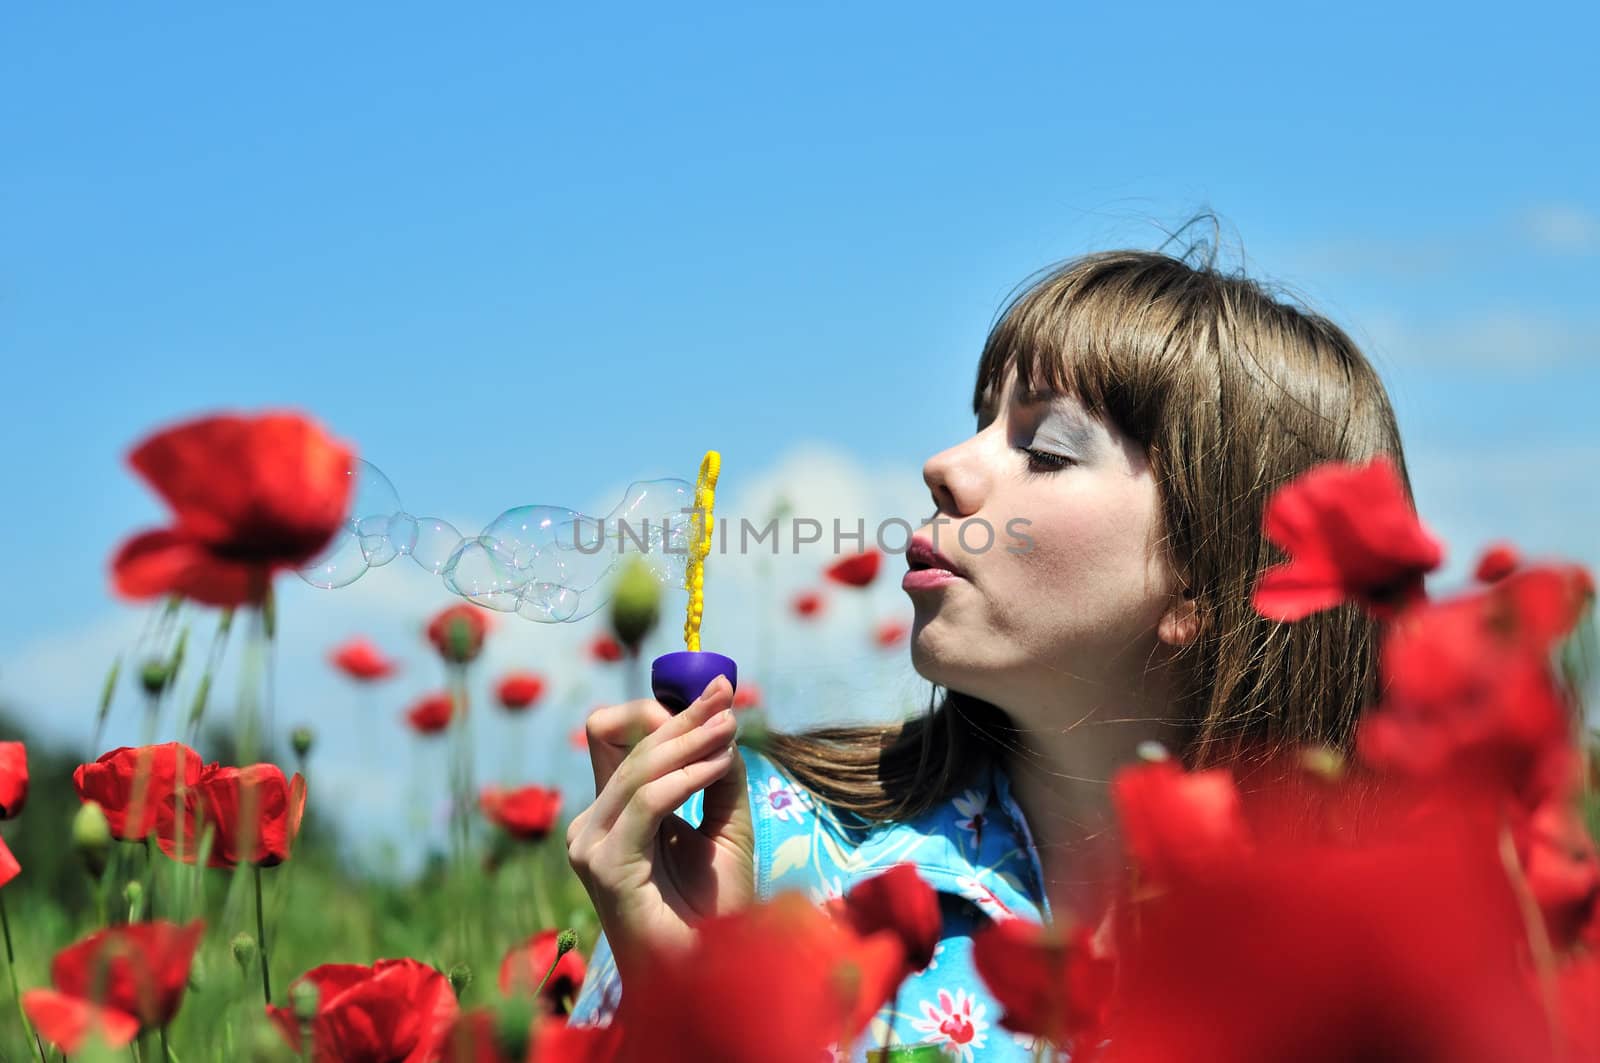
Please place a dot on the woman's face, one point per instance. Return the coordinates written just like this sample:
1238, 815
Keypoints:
1067, 600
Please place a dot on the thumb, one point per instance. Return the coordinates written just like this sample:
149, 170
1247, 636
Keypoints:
725, 816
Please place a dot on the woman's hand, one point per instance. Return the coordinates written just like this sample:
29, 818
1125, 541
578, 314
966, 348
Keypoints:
651, 876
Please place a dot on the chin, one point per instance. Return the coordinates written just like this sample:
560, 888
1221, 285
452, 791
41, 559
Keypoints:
940, 666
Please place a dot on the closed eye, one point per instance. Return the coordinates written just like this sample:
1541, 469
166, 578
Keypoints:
1042, 461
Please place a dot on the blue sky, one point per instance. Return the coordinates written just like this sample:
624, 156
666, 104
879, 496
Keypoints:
526, 257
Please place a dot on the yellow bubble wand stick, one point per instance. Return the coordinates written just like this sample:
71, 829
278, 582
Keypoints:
677, 679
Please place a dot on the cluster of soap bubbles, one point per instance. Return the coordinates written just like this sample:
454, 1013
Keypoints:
545, 563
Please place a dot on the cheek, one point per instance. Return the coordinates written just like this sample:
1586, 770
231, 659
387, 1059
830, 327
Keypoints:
1091, 564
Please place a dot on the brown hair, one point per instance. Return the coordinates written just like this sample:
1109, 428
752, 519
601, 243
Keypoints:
1232, 390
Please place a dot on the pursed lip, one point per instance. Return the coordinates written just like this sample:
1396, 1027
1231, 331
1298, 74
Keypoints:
920, 554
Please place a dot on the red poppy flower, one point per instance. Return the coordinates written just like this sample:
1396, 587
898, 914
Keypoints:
1176, 822
1539, 605
362, 661
518, 690
254, 811
524, 966
1052, 984
855, 570
9, 868
1350, 533
1328, 954
1469, 694
891, 633
818, 984
251, 496
69, 1023
605, 649
134, 785
396, 1011
578, 737
1496, 563
527, 813
1563, 871
115, 983
13, 779
806, 604
748, 696
432, 714
458, 632
898, 901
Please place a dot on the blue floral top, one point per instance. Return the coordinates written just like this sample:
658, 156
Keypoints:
974, 849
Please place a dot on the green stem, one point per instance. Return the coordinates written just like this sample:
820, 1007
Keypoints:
541, 911
540, 987
11, 967
149, 907
261, 938
461, 798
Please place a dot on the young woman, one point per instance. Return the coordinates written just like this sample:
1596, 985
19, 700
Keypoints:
1137, 412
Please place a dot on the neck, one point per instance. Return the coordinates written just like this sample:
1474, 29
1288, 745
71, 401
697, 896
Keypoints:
1061, 764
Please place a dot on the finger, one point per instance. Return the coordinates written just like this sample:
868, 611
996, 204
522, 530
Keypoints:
647, 763
613, 730
641, 817
726, 811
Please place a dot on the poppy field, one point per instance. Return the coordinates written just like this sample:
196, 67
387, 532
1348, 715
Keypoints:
1430, 893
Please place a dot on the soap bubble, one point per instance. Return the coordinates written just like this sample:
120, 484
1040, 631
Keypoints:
548, 564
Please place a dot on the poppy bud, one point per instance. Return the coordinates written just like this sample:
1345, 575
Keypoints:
300, 740
244, 952
635, 604
133, 893
91, 837
303, 999
460, 978
566, 941
154, 677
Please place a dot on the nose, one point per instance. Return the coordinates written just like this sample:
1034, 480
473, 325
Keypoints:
955, 479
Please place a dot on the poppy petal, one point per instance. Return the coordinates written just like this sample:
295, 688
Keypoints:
67, 1021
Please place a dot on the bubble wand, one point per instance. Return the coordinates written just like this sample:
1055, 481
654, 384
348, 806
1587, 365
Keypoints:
677, 679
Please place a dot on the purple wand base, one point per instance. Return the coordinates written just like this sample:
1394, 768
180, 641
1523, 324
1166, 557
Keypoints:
678, 679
